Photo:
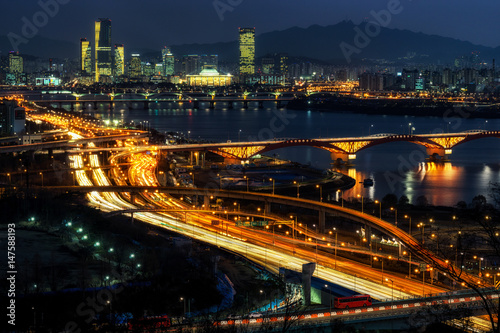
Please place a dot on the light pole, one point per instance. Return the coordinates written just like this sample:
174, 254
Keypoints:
298, 187
320, 192
335, 230
239, 133
396, 216
41, 174
392, 292
10, 181
421, 225
74, 181
341, 196
272, 179
360, 196
409, 227
245, 177
382, 261
380, 208
294, 222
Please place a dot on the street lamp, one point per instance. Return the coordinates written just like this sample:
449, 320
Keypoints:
245, 177
380, 208
409, 227
392, 292
294, 222
41, 174
360, 196
320, 192
396, 216
382, 261
330, 232
341, 196
298, 186
239, 133
272, 179
421, 225
9, 179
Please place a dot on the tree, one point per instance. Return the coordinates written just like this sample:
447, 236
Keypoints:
403, 201
495, 193
389, 200
422, 201
478, 202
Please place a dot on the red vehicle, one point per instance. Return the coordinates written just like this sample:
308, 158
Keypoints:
352, 301
149, 324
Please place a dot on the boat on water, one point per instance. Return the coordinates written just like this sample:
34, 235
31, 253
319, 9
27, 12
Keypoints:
368, 182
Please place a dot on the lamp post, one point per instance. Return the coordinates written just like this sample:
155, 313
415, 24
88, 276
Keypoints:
392, 292
74, 180
382, 262
341, 196
360, 196
41, 174
294, 222
409, 227
320, 192
298, 187
421, 225
245, 177
239, 133
396, 216
10, 181
380, 208
272, 179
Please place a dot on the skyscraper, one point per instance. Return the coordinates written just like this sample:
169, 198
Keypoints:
85, 56
119, 67
135, 66
16, 64
103, 52
168, 61
247, 50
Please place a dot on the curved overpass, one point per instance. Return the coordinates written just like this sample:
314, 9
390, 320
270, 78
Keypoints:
351, 214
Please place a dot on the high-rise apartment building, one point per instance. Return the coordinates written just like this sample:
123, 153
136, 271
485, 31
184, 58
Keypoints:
168, 61
85, 56
247, 51
135, 70
119, 64
103, 52
16, 64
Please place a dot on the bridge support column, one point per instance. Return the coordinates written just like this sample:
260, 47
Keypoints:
132, 218
436, 153
368, 235
340, 157
307, 272
60, 105
267, 207
321, 222
146, 105
111, 106
202, 155
261, 104
230, 105
206, 201
245, 104
196, 105
279, 105
84, 106
212, 105
94, 104
72, 106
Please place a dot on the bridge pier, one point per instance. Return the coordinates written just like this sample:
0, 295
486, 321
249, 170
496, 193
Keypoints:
267, 207
94, 104
245, 104
206, 201
111, 106
438, 153
279, 104
342, 157
59, 104
212, 105
146, 105
196, 105
84, 106
72, 106
230, 105
321, 222
261, 104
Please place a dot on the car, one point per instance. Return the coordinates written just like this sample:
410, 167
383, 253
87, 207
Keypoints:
233, 317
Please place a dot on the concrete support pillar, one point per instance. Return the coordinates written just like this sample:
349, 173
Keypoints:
279, 105
94, 104
245, 104
321, 222
307, 272
146, 105
267, 207
261, 104
206, 201
196, 105
191, 158
72, 105
230, 105
132, 218
339, 157
436, 153
212, 105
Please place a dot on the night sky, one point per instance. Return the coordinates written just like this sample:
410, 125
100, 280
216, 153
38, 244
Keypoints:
152, 24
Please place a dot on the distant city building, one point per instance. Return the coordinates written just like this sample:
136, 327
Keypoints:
159, 69
135, 70
119, 68
371, 82
268, 65
103, 52
266, 79
148, 69
12, 118
168, 61
85, 56
209, 61
191, 64
50, 81
247, 51
409, 79
209, 77
16, 64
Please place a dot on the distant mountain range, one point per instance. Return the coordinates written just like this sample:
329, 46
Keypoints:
316, 42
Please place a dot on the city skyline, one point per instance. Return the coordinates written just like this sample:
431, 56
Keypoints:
219, 19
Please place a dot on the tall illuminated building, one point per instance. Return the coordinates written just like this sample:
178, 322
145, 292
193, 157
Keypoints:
103, 52
168, 61
135, 70
247, 50
16, 63
119, 65
85, 56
